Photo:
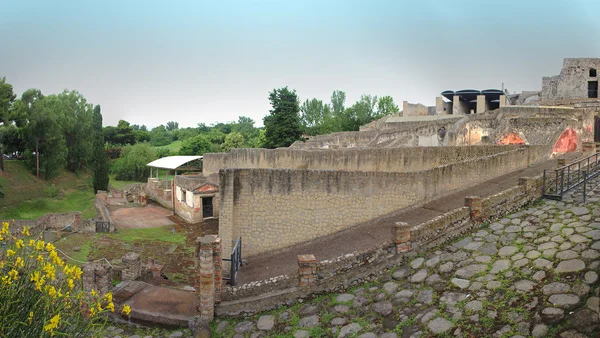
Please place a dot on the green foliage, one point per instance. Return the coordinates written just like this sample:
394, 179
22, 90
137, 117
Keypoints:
124, 133
100, 170
233, 140
197, 145
171, 125
282, 125
149, 234
131, 166
159, 136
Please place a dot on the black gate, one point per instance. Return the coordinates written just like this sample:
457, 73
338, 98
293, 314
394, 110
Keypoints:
596, 129
102, 226
236, 260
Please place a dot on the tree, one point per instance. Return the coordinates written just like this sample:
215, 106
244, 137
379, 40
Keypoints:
172, 126
131, 166
76, 120
7, 97
124, 134
197, 145
386, 106
159, 136
233, 140
100, 170
282, 125
314, 115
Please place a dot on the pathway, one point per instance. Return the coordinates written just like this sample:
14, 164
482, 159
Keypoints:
375, 232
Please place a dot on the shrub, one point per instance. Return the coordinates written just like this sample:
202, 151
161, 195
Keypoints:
41, 295
131, 166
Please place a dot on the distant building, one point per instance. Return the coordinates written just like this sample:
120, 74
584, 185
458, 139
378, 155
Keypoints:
578, 79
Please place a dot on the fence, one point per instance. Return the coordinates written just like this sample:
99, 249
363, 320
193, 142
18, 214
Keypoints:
102, 226
236, 260
558, 181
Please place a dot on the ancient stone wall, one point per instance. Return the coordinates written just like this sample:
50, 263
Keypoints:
156, 191
274, 209
47, 222
572, 82
403, 159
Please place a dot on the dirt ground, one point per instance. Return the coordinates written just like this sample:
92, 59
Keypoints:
148, 216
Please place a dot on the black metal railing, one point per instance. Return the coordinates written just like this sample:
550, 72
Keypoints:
236, 261
102, 226
557, 182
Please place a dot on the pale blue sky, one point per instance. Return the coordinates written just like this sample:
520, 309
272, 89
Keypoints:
150, 62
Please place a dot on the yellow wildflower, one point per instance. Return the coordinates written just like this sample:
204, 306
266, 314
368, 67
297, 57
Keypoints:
39, 245
50, 271
6, 280
109, 297
110, 307
99, 306
14, 274
9, 252
25, 231
19, 263
40, 258
92, 312
19, 244
30, 319
1, 264
4, 230
71, 284
126, 310
52, 325
50, 247
31, 242
51, 291
93, 293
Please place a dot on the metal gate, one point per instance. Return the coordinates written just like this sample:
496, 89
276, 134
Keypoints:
102, 226
596, 129
236, 260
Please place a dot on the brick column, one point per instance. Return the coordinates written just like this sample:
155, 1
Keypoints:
133, 266
474, 204
307, 270
218, 268
207, 282
401, 236
77, 222
97, 277
89, 277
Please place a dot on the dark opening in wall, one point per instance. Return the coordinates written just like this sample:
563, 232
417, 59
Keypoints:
593, 89
592, 72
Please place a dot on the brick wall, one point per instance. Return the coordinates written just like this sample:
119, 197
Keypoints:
276, 208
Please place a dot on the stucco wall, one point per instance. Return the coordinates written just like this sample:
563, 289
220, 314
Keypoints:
572, 82
379, 159
274, 209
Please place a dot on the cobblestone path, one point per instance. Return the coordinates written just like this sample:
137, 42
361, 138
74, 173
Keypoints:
531, 274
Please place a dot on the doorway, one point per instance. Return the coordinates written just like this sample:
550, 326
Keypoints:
593, 89
207, 207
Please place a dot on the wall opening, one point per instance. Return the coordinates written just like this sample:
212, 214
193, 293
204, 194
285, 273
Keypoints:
592, 72
207, 207
593, 89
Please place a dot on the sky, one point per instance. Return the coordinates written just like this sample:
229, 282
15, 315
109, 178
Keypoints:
150, 62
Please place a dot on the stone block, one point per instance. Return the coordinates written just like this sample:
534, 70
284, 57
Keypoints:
307, 270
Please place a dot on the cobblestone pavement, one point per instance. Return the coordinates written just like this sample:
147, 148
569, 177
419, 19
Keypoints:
533, 273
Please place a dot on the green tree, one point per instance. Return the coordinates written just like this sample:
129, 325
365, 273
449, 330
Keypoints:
7, 97
100, 171
313, 117
171, 125
131, 165
159, 136
386, 106
76, 121
124, 134
197, 145
233, 140
282, 125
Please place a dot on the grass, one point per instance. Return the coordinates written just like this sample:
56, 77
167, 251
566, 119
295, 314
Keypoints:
120, 185
172, 147
72, 201
149, 234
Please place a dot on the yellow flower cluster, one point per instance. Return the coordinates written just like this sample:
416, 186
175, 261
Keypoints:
36, 266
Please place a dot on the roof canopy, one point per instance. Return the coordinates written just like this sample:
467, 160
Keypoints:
470, 95
172, 162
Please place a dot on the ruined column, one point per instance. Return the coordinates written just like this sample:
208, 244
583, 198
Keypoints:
481, 104
307, 270
401, 236
77, 222
89, 277
103, 279
218, 268
476, 207
207, 282
133, 266
528, 184
439, 105
502, 101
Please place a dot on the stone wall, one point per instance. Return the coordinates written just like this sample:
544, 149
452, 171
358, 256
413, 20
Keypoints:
156, 191
47, 222
274, 209
403, 159
352, 269
414, 109
102, 213
572, 82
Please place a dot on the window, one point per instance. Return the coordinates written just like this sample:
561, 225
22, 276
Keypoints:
592, 72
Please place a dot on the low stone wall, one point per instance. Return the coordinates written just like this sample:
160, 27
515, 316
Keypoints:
102, 213
404, 159
274, 209
156, 191
47, 222
353, 269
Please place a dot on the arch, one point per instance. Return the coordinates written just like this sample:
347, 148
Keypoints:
567, 142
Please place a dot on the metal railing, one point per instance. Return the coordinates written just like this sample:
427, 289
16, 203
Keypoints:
556, 182
236, 261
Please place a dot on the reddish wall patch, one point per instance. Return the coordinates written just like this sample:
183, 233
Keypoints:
511, 138
567, 142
